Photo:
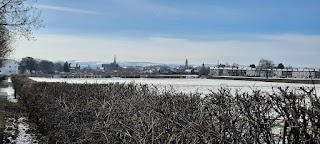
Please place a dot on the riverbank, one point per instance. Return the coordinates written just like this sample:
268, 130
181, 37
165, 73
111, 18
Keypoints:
278, 80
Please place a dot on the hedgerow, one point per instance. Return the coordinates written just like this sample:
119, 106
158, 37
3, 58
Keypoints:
138, 113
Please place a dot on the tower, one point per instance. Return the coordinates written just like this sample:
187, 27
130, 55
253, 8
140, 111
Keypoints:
115, 59
186, 65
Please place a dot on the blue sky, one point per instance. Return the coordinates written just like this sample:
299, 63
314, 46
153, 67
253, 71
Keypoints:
169, 31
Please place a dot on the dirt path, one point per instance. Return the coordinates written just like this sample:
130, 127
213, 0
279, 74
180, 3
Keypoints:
3, 100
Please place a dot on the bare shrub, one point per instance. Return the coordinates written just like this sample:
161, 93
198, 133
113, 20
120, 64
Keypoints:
137, 113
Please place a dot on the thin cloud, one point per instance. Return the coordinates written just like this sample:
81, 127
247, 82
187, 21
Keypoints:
148, 7
68, 9
195, 9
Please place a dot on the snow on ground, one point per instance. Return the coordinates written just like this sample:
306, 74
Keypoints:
19, 131
17, 128
188, 85
10, 94
23, 136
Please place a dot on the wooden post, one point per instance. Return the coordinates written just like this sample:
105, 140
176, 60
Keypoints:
15, 93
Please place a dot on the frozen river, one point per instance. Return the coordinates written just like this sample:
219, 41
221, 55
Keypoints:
186, 85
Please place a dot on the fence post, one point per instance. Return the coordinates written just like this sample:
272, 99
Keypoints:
15, 93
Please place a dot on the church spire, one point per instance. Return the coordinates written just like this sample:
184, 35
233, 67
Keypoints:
115, 59
186, 64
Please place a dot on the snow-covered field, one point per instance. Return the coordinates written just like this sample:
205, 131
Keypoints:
187, 85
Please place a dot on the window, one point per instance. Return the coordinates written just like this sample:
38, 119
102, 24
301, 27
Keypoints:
9, 66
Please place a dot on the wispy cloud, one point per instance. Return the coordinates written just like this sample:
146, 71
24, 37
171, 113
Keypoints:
155, 8
148, 7
68, 9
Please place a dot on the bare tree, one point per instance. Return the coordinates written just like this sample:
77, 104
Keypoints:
5, 41
266, 66
29, 63
46, 66
17, 18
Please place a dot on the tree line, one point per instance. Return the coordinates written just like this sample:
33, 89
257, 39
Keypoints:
264, 63
268, 66
44, 66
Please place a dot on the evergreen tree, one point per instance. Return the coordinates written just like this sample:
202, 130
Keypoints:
280, 66
252, 66
66, 67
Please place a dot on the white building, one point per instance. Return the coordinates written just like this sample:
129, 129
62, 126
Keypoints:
253, 72
227, 71
188, 71
304, 73
277, 73
9, 67
214, 71
218, 71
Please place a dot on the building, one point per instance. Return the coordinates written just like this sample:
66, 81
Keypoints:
273, 73
215, 71
74, 69
317, 73
228, 71
242, 72
277, 73
9, 67
304, 73
220, 71
235, 71
253, 72
111, 66
287, 73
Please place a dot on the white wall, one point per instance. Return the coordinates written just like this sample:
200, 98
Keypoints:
251, 73
9, 67
214, 72
277, 73
303, 74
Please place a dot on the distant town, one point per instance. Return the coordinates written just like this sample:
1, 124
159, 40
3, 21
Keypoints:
44, 68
